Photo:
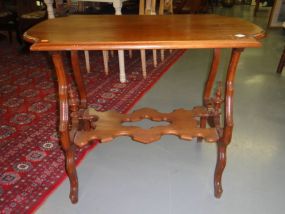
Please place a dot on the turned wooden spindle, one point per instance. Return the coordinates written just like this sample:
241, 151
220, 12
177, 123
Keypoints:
73, 101
218, 98
217, 103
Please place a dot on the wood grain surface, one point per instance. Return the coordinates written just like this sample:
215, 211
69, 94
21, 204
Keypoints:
93, 32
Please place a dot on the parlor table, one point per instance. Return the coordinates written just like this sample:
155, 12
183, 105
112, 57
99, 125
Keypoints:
211, 121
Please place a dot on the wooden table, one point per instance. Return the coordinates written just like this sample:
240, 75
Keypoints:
78, 125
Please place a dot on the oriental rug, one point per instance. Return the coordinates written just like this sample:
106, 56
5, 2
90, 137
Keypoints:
31, 161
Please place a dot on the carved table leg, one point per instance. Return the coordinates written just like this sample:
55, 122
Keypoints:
220, 166
228, 122
63, 126
210, 83
78, 79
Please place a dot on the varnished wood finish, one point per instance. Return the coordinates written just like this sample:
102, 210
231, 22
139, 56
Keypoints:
143, 32
209, 84
212, 74
64, 127
183, 123
228, 122
78, 78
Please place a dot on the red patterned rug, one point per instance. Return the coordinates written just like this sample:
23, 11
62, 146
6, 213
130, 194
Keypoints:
32, 163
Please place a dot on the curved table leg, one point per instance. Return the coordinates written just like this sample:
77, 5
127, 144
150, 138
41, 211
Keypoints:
210, 83
63, 126
212, 75
228, 122
78, 79
220, 166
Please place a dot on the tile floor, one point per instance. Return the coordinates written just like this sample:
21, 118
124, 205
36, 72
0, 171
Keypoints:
176, 177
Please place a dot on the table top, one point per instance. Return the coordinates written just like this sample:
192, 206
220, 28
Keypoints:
107, 32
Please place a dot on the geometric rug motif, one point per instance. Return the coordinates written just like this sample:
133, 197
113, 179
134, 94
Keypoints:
31, 160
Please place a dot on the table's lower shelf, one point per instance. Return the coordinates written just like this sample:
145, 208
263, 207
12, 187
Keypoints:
182, 123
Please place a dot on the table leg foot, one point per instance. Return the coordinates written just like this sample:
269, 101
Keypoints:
220, 166
70, 166
218, 191
71, 171
73, 195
